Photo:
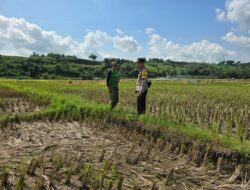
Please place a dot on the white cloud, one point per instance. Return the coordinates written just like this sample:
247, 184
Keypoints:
203, 51
120, 32
96, 39
93, 42
237, 11
19, 37
241, 41
221, 15
149, 30
126, 44
26, 37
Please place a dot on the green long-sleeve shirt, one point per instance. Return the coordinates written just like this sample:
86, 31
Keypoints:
112, 79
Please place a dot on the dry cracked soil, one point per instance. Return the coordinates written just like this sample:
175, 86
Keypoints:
143, 163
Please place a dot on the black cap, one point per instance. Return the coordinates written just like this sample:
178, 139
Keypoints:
141, 60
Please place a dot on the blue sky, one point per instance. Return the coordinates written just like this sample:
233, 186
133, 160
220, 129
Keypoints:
182, 30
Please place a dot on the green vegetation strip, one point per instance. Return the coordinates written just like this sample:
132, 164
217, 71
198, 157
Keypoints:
72, 107
52, 66
200, 134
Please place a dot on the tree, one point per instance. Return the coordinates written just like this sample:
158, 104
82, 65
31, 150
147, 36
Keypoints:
230, 62
58, 69
93, 57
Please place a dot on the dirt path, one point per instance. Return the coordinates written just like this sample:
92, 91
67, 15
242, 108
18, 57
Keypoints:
144, 163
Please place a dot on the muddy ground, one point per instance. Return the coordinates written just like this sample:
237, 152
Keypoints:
144, 163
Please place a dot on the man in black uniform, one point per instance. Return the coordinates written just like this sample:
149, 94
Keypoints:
141, 86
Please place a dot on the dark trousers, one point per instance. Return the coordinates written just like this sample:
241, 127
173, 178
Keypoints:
114, 97
141, 103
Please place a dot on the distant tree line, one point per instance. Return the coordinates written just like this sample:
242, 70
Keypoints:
53, 66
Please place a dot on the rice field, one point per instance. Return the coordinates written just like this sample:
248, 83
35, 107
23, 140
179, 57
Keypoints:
57, 135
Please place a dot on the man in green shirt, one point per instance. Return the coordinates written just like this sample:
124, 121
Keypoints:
112, 84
